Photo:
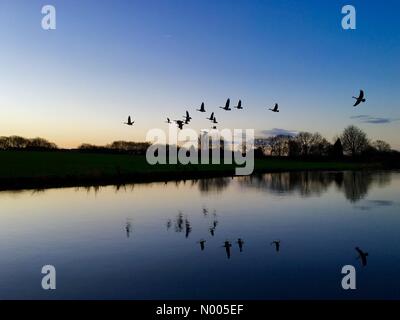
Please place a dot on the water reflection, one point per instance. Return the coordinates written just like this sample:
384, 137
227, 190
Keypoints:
202, 242
240, 243
73, 226
362, 256
277, 244
227, 245
354, 184
128, 228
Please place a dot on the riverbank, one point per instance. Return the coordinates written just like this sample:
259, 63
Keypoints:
37, 170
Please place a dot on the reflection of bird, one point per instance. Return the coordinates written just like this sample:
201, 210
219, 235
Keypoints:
275, 109
239, 105
188, 228
179, 124
169, 223
128, 229
359, 99
240, 242
214, 127
202, 109
202, 242
212, 231
130, 122
215, 223
363, 256
168, 121
226, 108
277, 244
227, 245
211, 117
205, 211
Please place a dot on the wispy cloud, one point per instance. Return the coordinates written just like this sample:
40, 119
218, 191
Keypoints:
278, 132
374, 120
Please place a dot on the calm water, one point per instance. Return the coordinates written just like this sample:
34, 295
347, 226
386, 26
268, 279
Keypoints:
142, 241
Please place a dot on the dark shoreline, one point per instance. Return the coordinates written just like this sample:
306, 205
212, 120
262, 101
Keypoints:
21, 184
29, 170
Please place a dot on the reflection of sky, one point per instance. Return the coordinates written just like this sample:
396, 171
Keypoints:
84, 235
154, 59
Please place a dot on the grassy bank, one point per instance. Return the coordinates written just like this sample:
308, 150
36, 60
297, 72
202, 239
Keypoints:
29, 169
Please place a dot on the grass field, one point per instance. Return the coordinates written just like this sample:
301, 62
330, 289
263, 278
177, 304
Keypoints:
20, 169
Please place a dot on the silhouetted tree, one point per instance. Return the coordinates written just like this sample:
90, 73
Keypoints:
354, 140
337, 149
381, 146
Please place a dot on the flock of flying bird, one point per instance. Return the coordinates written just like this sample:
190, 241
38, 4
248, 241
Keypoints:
213, 119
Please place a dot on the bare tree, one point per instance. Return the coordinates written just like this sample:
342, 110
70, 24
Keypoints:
354, 140
381, 146
309, 141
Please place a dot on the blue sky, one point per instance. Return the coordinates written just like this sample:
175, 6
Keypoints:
153, 59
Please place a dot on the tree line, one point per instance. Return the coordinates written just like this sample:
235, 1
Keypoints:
351, 142
17, 142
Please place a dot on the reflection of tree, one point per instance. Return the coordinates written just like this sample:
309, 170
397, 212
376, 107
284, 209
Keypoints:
357, 183
354, 184
304, 183
213, 185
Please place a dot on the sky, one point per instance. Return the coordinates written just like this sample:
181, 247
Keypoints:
155, 59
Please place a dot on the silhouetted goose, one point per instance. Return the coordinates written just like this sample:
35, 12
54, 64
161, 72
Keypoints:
202, 242
187, 117
239, 105
226, 108
240, 242
202, 109
277, 244
363, 256
168, 120
130, 122
211, 117
179, 123
359, 99
227, 245
275, 109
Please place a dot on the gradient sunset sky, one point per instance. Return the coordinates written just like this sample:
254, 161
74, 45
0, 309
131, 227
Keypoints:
155, 59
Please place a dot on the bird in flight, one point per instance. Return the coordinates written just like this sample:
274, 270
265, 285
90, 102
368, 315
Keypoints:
168, 121
275, 109
130, 122
359, 99
179, 123
211, 117
362, 255
202, 109
239, 105
226, 108
187, 117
